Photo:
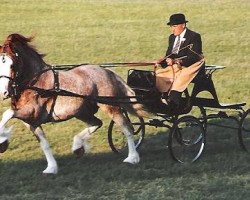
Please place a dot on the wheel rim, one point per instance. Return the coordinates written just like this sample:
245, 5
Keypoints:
187, 139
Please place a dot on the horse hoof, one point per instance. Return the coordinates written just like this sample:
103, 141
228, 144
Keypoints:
50, 171
48, 174
4, 146
132, 159
79, 152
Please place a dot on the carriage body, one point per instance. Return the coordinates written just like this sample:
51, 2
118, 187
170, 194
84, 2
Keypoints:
187, 135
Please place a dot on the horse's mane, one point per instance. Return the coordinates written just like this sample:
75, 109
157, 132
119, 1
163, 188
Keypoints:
28, 60
15, 39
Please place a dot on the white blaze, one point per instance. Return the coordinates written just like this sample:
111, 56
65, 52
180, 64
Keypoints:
5, 70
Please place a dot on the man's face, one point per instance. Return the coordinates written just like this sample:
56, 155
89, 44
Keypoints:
177, 29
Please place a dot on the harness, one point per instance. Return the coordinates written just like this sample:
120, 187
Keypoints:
57, 91
12, 80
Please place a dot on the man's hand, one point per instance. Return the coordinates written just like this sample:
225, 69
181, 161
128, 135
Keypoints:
157, 63
169, 61
178, 61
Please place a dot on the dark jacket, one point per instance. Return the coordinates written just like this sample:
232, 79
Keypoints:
191, 37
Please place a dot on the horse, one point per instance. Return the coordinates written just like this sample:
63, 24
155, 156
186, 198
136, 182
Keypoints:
24, 73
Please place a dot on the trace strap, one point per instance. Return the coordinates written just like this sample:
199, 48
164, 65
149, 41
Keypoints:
111, 100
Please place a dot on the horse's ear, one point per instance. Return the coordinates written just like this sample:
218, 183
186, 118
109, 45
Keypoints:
15, 37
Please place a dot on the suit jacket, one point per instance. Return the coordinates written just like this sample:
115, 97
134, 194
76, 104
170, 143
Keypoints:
191, 37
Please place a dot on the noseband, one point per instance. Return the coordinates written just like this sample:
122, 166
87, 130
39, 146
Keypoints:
11, 79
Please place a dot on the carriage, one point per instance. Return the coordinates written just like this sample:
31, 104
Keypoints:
39, 92
187, 135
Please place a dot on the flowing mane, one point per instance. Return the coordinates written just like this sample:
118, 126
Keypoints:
15, 39
22, 51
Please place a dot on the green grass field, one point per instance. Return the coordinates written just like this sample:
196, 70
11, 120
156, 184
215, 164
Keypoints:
98, 31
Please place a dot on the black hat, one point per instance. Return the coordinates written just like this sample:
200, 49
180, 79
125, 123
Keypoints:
175, 19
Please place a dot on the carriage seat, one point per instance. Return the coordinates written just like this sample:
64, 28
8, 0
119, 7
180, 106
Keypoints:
141, 79
143, 82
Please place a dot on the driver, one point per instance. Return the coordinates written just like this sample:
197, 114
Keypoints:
182, 62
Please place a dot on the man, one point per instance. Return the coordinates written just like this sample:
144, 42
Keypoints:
184, 50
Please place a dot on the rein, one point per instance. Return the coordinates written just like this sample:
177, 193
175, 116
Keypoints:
56, 91
124, 64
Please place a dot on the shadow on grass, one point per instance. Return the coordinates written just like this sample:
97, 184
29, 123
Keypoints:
101, 175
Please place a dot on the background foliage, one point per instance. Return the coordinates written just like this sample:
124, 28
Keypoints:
97, 31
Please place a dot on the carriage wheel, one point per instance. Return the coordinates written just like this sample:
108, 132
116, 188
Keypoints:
187, 139
244, 131
117, 140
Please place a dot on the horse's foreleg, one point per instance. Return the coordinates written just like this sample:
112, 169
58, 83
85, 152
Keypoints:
52, 165
5, 133
80, 145
7, 115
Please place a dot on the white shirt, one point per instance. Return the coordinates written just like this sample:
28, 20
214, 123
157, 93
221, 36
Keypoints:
181, 38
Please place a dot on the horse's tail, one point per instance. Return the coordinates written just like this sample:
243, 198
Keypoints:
138, 109
132, 105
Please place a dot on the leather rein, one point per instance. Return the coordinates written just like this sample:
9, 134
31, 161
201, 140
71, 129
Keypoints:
56, 91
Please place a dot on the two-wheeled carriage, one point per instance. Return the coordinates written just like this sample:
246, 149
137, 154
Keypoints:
40, 94
187, 135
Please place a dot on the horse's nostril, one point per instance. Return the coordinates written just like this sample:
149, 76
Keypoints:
6, 93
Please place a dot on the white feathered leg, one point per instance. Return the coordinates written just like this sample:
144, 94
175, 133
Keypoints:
52, 167
7, 115
80, 144
5, 133
127, 130
133, 156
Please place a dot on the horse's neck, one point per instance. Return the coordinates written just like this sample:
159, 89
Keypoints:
35, 67
31, 68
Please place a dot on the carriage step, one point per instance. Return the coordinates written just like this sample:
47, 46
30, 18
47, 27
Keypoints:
212, 103
233, 104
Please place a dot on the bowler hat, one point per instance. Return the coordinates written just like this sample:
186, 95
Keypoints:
178, 18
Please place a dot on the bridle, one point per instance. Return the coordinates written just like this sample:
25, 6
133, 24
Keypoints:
3, 60
13, 80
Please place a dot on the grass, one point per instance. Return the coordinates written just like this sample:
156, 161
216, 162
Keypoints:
79, 31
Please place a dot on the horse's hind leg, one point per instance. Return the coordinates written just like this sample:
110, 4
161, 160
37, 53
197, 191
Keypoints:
80, 140
52, 165
133, 156
126, 128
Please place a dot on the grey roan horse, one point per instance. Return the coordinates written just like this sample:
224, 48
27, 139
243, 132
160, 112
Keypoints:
23, 68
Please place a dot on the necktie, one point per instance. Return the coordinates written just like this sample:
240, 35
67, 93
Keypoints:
177, 45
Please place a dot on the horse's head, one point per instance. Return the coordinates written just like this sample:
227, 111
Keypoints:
17, 58
7, 61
